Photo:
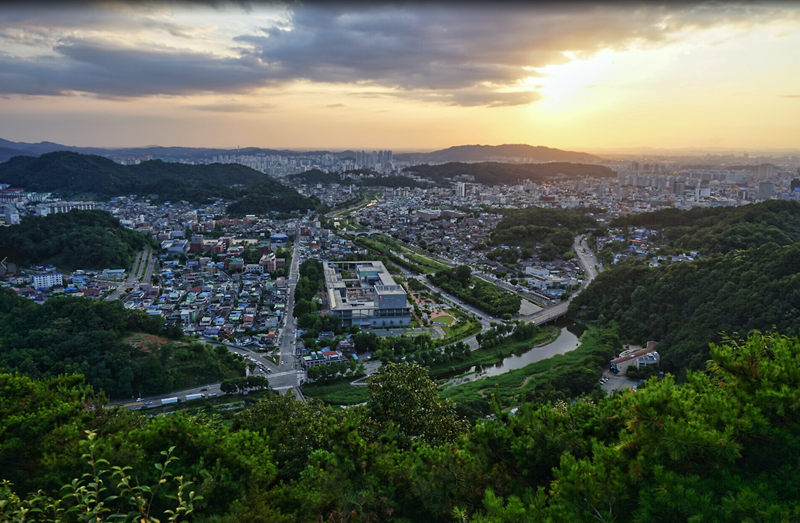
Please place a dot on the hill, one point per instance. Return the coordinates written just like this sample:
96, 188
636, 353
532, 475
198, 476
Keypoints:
76, 239
493, 173
315, 176
72, 174
748, 279
722, 447
506, 152
722, 229
67, 335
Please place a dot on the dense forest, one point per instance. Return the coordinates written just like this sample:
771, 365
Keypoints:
554, 229
748, 279
483, 295
76, 239
722, 447
686, 305
266, 197
72, 174
314, 176
493, 173
82, 336
722, 229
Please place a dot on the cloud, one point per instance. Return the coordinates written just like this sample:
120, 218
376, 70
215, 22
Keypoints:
232, 107
331, 106
790, 96
477, 55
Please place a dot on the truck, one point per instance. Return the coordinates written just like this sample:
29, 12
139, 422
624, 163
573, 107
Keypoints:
190, 397
169, 401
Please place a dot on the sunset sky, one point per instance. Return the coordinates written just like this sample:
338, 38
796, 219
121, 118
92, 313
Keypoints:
401, 76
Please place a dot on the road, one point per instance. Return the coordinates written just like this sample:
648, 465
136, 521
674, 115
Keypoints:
132, 277
287, 376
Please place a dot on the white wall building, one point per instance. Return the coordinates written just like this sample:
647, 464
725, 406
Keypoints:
47, 280
11, 215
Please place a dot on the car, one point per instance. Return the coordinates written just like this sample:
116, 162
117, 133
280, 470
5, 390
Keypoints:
204, 389
212, 395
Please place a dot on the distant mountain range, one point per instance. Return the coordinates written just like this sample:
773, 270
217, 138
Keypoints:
501, 153
460, 153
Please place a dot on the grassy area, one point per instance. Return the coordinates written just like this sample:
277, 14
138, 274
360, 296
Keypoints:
428, 263
550, 372
340, 392
498, 352
463, 329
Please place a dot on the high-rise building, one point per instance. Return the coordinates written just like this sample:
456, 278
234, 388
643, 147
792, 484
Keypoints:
765, 190
461, 189
795, 185
766, 171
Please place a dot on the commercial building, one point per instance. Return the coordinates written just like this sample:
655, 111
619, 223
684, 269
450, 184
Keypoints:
365, 294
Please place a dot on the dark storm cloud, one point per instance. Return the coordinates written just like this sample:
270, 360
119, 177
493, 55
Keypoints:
440, 54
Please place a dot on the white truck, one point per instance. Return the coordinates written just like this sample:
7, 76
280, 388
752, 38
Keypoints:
190, 397
169, 401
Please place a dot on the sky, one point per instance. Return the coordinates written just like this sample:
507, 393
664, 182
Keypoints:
401, 76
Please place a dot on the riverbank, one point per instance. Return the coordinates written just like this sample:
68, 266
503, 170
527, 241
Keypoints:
561, 376
490, 356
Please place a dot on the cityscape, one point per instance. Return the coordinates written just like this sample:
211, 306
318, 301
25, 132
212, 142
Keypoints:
282, 262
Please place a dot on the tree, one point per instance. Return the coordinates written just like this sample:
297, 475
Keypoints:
405, 402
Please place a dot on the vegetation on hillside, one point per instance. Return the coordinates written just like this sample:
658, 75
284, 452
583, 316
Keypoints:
82, 336
722, 447
722, 229
553, 229
72, 174
492, 173
314, 176
687, 305
485, 296
75, 239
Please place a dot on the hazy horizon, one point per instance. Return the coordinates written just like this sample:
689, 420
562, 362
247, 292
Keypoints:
407, 77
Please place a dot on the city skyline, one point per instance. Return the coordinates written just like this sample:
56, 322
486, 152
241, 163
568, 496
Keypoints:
401, 76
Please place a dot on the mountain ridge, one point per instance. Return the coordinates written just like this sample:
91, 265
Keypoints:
454, 153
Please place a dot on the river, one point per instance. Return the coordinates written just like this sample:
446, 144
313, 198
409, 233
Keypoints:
567, 341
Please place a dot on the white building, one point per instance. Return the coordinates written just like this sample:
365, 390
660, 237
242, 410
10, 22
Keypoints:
11, 215
47, 280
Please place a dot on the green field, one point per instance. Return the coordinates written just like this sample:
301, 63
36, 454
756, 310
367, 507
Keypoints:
340, 392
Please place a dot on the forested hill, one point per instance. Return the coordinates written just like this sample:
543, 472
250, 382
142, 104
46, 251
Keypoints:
748, 278
476, 153
79, 335
314, 176
685, 306
75, 240
72, 174
493, 173
722, 229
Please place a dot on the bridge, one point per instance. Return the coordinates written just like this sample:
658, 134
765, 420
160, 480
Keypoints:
364, 232
548, 315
